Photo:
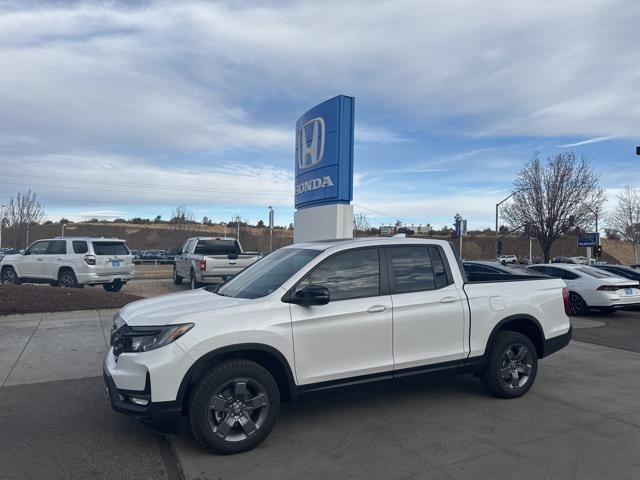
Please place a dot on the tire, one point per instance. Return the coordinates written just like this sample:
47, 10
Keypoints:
511, 365
607, 309
177, 279
577, 305
234, 407
113, 286
9, 277
67, 279
193, 283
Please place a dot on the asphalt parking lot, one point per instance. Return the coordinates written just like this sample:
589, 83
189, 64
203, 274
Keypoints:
581, 419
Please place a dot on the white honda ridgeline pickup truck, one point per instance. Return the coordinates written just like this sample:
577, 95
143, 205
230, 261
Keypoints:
321, 315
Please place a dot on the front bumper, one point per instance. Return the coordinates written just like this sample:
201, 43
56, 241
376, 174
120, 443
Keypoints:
163, 417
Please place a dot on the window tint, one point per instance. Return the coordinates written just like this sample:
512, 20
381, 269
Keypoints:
411, 269
38, 248
594, 272
110, 248
217, 247
57, 247
439, 270
80, 247
352, 274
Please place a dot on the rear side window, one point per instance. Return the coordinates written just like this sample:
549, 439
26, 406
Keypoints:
439, 270
217, 247
80, 246
57, 247
593, 272
411, 269
353, 274
110, 248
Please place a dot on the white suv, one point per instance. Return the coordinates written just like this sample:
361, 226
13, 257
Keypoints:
71, 262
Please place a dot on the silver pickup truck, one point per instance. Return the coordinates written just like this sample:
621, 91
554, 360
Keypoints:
210, 260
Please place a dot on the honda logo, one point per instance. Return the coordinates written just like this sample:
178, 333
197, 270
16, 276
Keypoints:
310, 154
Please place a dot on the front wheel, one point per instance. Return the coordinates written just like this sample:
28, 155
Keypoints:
234, 407
511, 365
9, 276
177, 279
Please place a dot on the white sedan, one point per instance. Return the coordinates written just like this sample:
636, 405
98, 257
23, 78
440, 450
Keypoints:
590, 287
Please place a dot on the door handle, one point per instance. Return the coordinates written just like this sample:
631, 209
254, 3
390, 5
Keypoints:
377, 308
448, 299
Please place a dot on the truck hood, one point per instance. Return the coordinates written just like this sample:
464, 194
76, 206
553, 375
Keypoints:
168, 309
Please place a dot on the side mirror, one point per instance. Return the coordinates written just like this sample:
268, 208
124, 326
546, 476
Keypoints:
311, 295
22, 252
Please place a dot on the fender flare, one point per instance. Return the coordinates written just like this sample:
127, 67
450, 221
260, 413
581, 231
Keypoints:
520, 316
203, 363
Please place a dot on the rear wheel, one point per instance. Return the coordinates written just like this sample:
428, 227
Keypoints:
234, 407
177, 279
192, 281
113, 286
607, 309
511, 365
9, 276
67, 279
577, 305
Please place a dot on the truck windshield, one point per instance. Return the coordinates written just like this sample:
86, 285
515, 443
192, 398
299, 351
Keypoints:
217, 247
268, 274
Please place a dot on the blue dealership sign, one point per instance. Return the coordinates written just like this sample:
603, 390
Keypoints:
324, 154
586, 239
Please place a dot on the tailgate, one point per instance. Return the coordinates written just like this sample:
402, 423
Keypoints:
112, 258
239, 262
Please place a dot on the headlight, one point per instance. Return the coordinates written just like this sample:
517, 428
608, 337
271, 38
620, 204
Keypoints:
128, 339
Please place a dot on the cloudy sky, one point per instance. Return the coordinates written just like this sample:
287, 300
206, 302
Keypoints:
130, 108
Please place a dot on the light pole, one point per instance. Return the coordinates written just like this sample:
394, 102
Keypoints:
595, 213
270, 228
1, 222
225, 228
63, 225
498, 206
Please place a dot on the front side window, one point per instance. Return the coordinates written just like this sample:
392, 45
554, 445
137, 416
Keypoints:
411, 269
80, 246
268, 274
110, 248
38, 248
352, 274
57, 247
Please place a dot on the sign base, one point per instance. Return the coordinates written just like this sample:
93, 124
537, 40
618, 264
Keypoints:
325, 222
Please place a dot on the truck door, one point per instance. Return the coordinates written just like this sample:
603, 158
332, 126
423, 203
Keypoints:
428, 308
351, 336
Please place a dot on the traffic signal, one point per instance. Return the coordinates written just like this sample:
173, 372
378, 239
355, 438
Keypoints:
599, 250
499, 247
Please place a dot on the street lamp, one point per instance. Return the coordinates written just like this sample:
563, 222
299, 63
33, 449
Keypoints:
2, 207
225, 228
498, 205
63, 225
270, 228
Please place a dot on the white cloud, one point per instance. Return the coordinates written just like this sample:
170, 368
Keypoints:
589, 141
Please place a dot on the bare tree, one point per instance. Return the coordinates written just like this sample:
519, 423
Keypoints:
181, 225
625, 219
554, 198
22, 212
360, 222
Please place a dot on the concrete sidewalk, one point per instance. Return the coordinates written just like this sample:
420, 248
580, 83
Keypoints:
46, 347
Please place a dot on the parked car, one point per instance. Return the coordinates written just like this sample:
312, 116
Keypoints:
506, 259
475, 269
71, 262
532, 260
205, 260
590, 287
358, 310
621, 271
579, 260
562, 260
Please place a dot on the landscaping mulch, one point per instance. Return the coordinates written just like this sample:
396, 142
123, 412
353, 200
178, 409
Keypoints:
17, 299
